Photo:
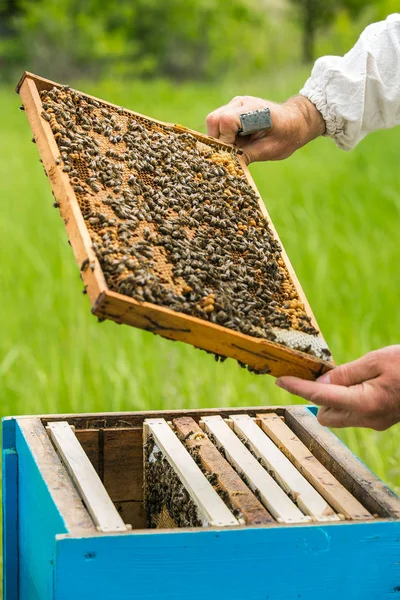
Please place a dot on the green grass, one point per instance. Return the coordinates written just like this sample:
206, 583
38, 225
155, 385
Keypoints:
338, 215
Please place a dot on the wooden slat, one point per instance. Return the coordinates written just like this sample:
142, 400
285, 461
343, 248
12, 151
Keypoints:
271, 495
323, 481
239, 495
377, 497
283, 471
262, 355
85, 478
210, 505
78, 234
123, 463
75, 516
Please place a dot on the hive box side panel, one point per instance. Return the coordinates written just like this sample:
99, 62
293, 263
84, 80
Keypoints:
39, 520
337, 561
10, 513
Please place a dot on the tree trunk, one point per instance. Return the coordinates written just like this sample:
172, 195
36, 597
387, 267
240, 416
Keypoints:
309, 29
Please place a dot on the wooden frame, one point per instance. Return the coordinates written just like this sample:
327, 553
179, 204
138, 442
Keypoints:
212, 510
48, 532
103, 512
322, 480
256, 477
260, 354
213, 463
284, 471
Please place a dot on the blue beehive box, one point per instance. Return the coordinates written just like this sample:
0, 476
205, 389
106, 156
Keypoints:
53, 550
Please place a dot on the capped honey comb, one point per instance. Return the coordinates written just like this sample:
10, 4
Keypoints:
175, 221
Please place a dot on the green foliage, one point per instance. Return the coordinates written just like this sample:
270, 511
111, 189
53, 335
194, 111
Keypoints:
344, 31
383, 8
196, 39
181, 40
319, 14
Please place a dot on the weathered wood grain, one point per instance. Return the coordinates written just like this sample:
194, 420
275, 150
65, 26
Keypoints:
85, 478
89, 440
283, 471
124, 420
257, 478
377, 497
213, 463
123, 463
211, 508
315, 472
58, 483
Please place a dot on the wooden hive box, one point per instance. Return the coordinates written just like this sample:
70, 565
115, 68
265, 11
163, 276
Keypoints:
73, 483
202, 291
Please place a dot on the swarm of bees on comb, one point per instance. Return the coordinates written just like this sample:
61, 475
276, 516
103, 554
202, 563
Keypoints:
175, 222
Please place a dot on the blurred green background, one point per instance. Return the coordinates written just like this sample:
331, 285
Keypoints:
338, 214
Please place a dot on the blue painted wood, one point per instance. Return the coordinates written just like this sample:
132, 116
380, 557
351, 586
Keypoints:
10, 513
348, 562
39, 521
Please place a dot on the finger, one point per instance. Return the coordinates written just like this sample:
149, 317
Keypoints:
335, 417
335, 396
260, 149
229, 125
236, 101
212, 122
354, 372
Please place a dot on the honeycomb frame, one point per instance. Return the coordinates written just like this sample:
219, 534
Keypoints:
258, 354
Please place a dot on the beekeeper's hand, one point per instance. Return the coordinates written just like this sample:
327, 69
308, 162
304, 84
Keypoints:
362, 393
294, 123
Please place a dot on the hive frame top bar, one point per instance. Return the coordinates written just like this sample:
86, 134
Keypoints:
259, 354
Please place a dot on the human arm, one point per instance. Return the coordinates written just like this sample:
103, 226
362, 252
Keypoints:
345, 98
362, 393
359, 92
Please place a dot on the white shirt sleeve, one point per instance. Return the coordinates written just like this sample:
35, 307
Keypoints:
359, 92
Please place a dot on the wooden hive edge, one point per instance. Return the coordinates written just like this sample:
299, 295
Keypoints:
263, 355
349, 470
45, 84
91, 272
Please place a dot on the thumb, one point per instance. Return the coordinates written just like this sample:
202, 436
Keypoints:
352, 373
